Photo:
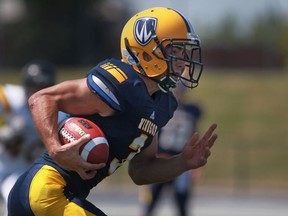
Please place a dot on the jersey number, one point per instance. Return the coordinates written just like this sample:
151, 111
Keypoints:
136, 146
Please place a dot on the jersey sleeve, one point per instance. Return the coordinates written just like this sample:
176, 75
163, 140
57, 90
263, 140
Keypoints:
105, 80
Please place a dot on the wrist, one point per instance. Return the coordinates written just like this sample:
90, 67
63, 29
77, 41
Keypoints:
183, 167
53, 149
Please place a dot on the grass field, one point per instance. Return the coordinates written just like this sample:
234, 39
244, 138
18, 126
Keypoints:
251, 110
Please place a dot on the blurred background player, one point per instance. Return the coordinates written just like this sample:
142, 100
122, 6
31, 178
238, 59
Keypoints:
172, 138
12, 97
20, 143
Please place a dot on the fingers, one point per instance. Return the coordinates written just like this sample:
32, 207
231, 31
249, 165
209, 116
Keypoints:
209, 132
86, 175
208, 152
77, 143
209, 139
88, 170
89, 166
212, 140
83, 140
209, 144
205, 156
194, 138
206, 139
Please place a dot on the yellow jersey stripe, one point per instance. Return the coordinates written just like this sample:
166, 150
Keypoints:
116, 72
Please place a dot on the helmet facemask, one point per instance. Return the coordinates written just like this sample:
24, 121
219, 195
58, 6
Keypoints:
191, 70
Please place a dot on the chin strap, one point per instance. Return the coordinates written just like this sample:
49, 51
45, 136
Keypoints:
167, 83
136, 60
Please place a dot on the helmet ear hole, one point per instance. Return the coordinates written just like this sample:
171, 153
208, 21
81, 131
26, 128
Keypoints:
147, 57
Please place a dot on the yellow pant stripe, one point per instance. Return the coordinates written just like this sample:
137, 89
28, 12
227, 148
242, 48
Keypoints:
47, 198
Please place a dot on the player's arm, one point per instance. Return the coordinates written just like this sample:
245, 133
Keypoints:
72, 97
146, 168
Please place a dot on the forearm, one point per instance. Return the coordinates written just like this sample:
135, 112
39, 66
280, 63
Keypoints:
146, 168
46, 104
45, 117
157, 170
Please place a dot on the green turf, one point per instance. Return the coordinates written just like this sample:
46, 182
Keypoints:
251, 110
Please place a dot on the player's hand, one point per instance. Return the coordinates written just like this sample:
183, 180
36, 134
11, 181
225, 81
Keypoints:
68, 157
196, 151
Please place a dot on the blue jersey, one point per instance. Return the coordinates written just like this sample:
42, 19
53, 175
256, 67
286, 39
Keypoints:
137, 119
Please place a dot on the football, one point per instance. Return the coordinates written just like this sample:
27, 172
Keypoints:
96, 150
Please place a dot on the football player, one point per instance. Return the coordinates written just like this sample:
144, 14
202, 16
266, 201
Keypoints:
19, 141
130, 99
